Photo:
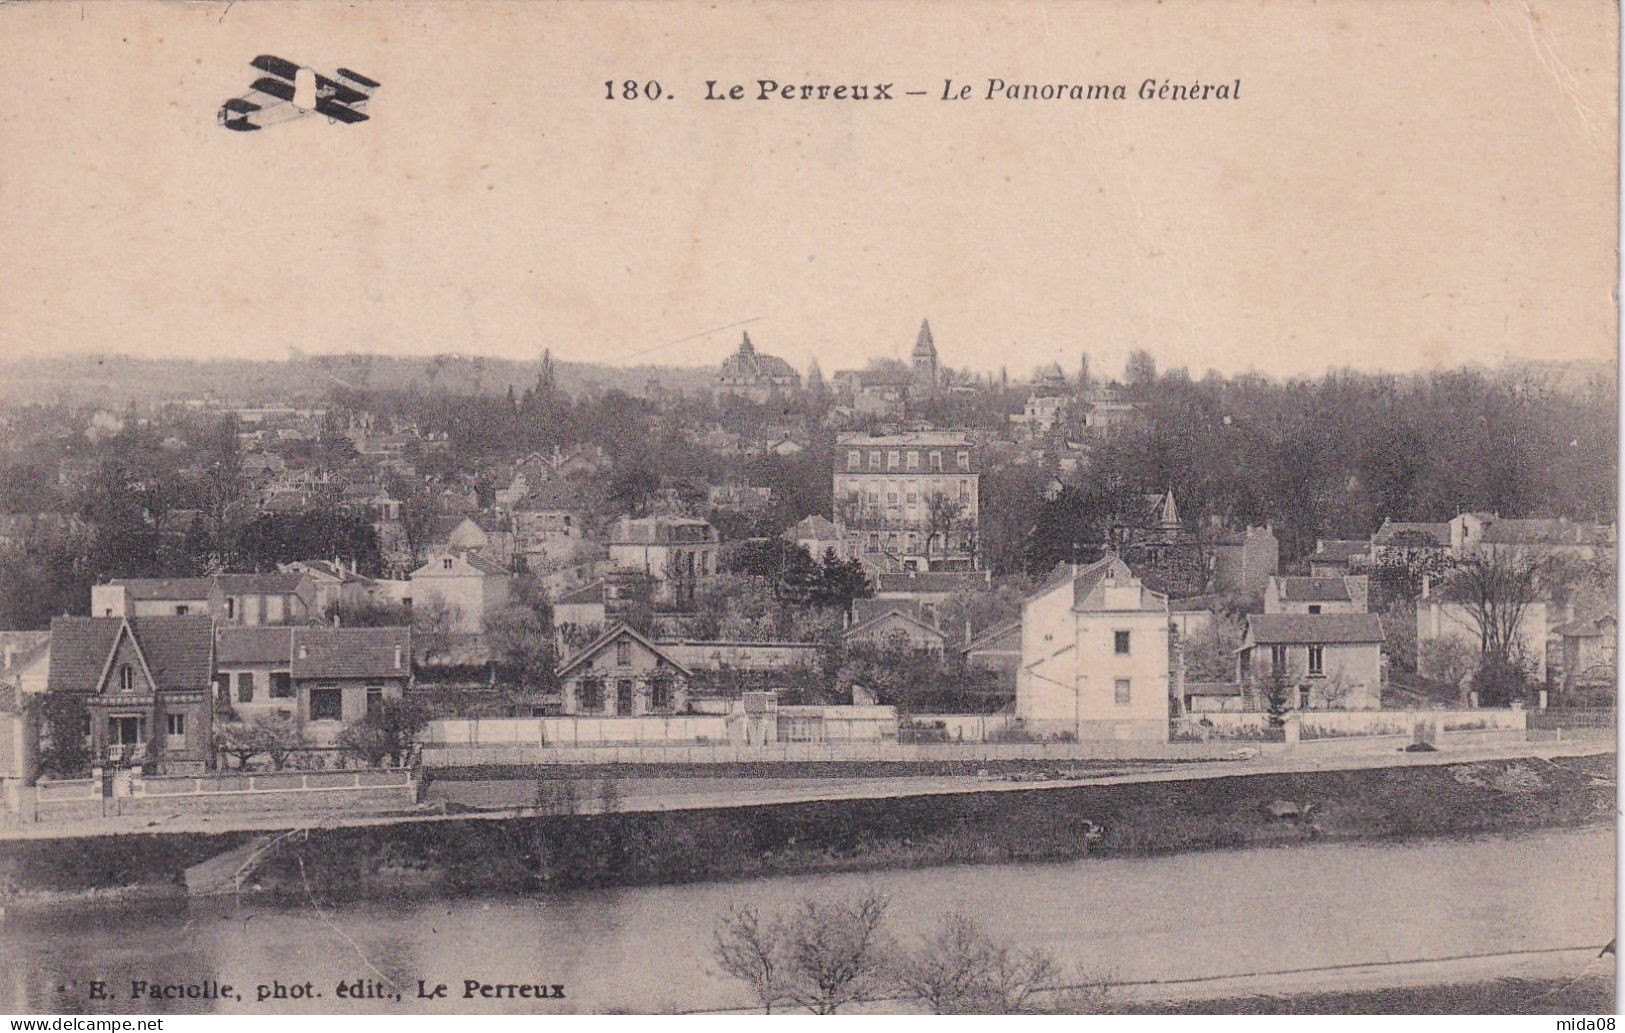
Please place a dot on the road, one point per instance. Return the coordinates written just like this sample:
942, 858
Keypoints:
759, 791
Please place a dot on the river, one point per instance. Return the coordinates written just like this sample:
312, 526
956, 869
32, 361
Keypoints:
647, 949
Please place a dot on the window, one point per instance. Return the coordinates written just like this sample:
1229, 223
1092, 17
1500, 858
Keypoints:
1314, 607
281, 685
854, 460
1277, 658
590, 695
936, 461
326, 704
623, 653
181, 611
913, 459
874, 459
245, 687
222, 688
964, 460
1122, 690
231, 607
126, 678
445, 564
1120, 643
894, 459
1317, 659
660, 694
175, 730
375, 697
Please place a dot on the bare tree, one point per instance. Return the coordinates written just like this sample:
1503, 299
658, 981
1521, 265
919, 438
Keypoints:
959, 969
820, 956
1495, 588
752, 952
942, 513
836, 952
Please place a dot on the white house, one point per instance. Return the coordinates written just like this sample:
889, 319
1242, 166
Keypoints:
466, 584
1094, 656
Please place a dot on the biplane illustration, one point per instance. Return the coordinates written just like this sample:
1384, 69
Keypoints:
276, 96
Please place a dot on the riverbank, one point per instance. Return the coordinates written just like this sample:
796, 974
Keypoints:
452, 856
1591, 994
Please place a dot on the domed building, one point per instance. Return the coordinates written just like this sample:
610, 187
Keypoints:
755, 376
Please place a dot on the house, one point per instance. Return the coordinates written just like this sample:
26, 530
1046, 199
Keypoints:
253, 670
1329, 661
1242, 561
144, 683
465, 584
1040, 414
931, 589
152, 597
250, 599
609, 599
893, 624
339, 674
1440, 620
997, 648
818, 535
335, 583
1094, 655
1396, 539
1545, 537
1209, 697
1590, 655
272, 598
1346, 594
1334, 557
25, 660
623, 674
463, 534
679, 553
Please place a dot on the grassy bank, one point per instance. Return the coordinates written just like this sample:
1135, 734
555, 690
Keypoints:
1589, 995
467, 856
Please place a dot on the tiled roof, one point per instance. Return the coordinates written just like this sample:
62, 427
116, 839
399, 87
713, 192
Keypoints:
814, 526
602, 642
164, 588
1546, 532
1339, 550
352, 652
998, 638
179, 650
255, 584
1602, 624
1212, 688
1313, 628
930, 580
1393, 529
900, 613
234, 645
1313, 589
588, 593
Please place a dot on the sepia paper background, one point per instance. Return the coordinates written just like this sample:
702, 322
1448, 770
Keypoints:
1398, 184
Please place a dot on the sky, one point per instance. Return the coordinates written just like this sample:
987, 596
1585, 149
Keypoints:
1397, 186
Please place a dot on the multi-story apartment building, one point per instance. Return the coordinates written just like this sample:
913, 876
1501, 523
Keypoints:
912, 498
